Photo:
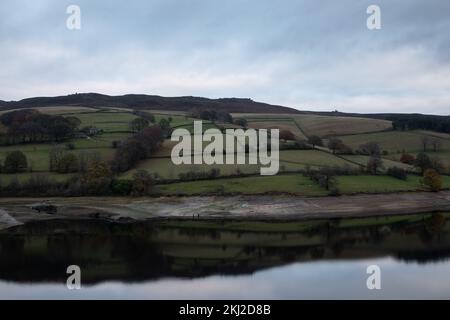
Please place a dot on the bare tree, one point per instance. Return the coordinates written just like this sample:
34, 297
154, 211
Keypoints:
435, 144
425, 141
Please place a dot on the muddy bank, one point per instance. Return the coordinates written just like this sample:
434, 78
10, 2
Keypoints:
15, 211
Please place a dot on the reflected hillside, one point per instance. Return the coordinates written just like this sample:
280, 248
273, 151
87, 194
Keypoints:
41, 251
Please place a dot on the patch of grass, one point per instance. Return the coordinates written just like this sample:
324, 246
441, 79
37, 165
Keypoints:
167, 170
281, 124
387, 163
313, 158
101, 141
444, 156
323, 126
382, 184
290, 160
205, 126
332, 126
38, 158
59, 110
107, 121
293, 183
5, 178
177, 120
392, 141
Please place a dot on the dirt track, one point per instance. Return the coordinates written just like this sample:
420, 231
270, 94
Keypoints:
15, 211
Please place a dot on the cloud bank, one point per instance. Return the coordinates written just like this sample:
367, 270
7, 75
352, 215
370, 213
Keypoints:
305, 54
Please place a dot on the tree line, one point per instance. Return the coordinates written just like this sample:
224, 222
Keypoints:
30, 125
418, 121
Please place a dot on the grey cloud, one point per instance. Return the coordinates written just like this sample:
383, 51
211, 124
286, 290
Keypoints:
304, 54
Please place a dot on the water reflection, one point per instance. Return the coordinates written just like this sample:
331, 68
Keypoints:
135, 252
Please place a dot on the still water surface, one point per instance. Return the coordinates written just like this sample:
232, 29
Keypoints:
324, 259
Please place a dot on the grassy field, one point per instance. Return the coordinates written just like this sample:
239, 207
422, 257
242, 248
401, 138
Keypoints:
205, 126
393, 141
308, 124
38, 160
281, 124
6, 179
290, 160
107, 121
444, 156
59, 110
387, 163
177, 120
297, 184
324, 126
378, 184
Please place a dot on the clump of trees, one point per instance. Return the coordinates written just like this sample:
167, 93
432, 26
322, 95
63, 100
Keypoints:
15, 162
97, 178
419, 121
430, 143
370, 149
142, 183
164, 124
200, 175
138, 147
286, 135
29, 125
62, 161
315, 141
145, 115
212, 115
374, 164
397, 173
424, 162
324, 177
432, 179
138, 124
407, 158
337, 146
241, 122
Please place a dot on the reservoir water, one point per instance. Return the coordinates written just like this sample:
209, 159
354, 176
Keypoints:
320, 259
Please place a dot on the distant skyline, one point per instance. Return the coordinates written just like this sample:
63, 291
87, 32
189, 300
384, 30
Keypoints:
308, 55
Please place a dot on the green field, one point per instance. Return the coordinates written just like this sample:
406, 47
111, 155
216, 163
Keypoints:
107, 121
379, 184
290, 160
387, 163
444, 156
6, 178
176, 121
393, 141
297, 184
325, 126
280, 123
322, 126
60, 110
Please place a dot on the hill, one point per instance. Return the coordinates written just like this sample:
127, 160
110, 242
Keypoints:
148, 102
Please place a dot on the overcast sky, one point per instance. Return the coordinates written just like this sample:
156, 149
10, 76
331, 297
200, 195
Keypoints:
316, 55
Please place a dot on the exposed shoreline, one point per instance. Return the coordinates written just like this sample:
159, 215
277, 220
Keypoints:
15, 211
